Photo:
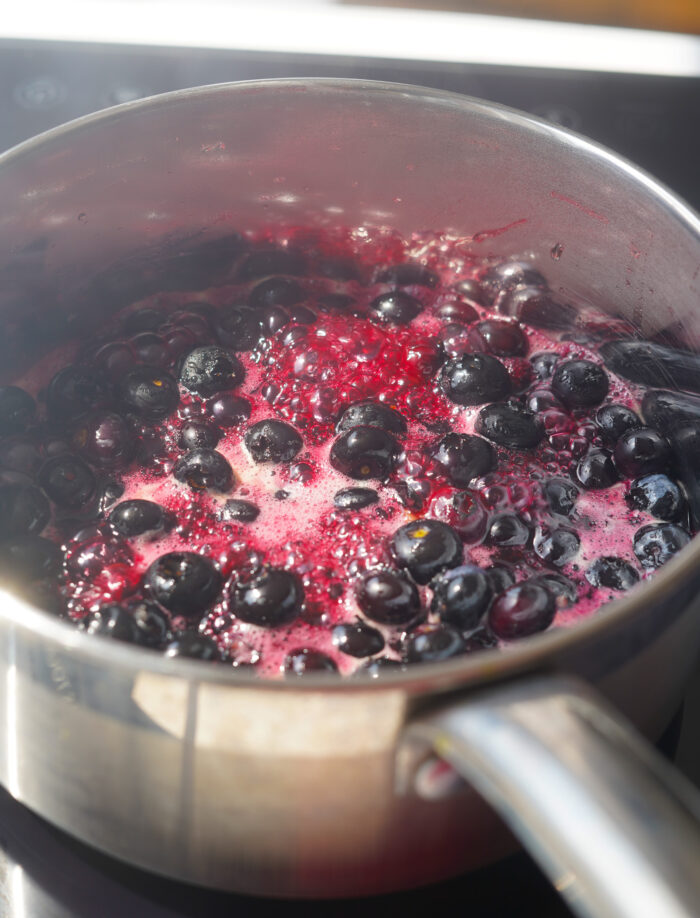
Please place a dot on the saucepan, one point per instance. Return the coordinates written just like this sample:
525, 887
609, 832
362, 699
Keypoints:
329, 787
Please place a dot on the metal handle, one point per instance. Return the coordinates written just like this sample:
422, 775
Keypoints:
614, 826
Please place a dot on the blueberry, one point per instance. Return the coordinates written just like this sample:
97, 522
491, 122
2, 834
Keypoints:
266, 262
560, 495
432, 643
229, 409
480, 639
463, 458
72, 393
372, 414
426, 547
109, 490
507, 530
183, 582
375, 669
17, 410
151, 349
29, 557
272, 598
364, 452
357, 640
242, 511
508, 275
21, 454
505, 339
152, 624
454, 340
464, 512
193, 646
275, 291
470, 288
615, 420
474, 379
138, 517
522, 610
397, 307
668, 410
335, 302
105, 440
542, 400
456, 311
544, 363
354, 498
340, 269
204, 470
149, 393
308, 660
408, 275
596, 470
556, 546
272, 441
510, 425
642, 452
272, 318
146, 319
564, 590
612, 573
211, 369
67, 480
302, 315
657, 495
500, 577
114, 622
239, 327
654, 545
198, 434
580, 383
652, 364
535, 306
23, 510
461, 596
388, 598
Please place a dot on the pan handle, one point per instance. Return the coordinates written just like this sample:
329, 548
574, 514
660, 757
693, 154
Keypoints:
615, 827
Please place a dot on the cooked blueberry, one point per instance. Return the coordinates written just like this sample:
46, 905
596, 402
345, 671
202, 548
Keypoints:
272, 318
426, 547
396, 307
138, 517
23, 510
204, 470
229, 409
432, 643
152, 624
375, 669
105, 440
183, 582
507, 275
654, 545
335, 302
211, 369
364, 452
272, 441
198, 434
358, 639
480, 639
150, 393
596, 470
544, 363
461, 596
272, 261
146, 319
17, 410
668, 410
657, 495
408, 275
555, 546
242, 511
239, 327
151, 349
372, 414
464, 512
29, 557
275, 291
67, 480
535, 306
193, 646
507, 530
614, 420
472, 290
114, 622
270, 599
504, 339
457, 311
474, 379
580, 383
560, 495
388, 598
642, 452
355, 498
340, 269
308, 660
522, 610
510, 425
302, 315
500, 577
72, 393
564, 590
20, 453
464, 457
652, 364
542, 400
612, 573
454, 340
109, 490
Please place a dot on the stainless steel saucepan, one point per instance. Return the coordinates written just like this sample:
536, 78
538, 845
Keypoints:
323, 787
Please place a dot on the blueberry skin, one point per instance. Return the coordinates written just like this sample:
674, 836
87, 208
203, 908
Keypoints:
23, 511
580, 383
507, 275
358, 639
507, 530
596, 470
409, 274
229, 409
198, 434
204, 470
138, 517
474, 379
113, 621
152, 623
306, 660
272, 441
461, 596
504, 339
426, 547
544, 363
652, 364
464, 457
105, 440
560, 495
365, 452
355, 498
500, 577
193, 646
612, 573
642, 452
211, 369
242, 511
183, 582
372, 414
510, 426
239, 328
464, 512
275, 291
538, 307
615, 420
564, 590
271, 599
28, 558
17, 410
67, 480
556, 546
388, 598
148, 392
522, 610
654, 545
71, 393
395, 308
432, 644
657, 495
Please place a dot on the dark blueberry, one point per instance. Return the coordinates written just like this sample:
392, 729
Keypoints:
408, 275
340, 269
183, 582
143, 320
510, 425
668, 410
358, 639
301, 471
193, 646
204, 470
105, 440
614, 420
229, 409
198, 434
480, 639
596, 470
472, 290
504, 339
535, 306
542, 400
211, 369
272, 261
273, 318
555, 546
507, 530
654, 545
67, 480
642, 452
507, 275
113, 359
272, 441
464, 512
372, 414
239, 327
522, 610
474, 379
652, 364
242, 511
397, 307
72, 393
388, 598
149, 393
152, 624
275, 291
500, 577
560, 495
29, 557
461, 596
335, 302
138, 517
458, 312
281, 495
580, 383
354, 498
432, 643
109, 491
564, 590
302, 315
21, 454
453, 340
364, 452
544, 363
375, 669
23, 510
657, 495
426, 547
612, 573
114, 622
270, 599
17, 410
150, 349
464, 457
307, 660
